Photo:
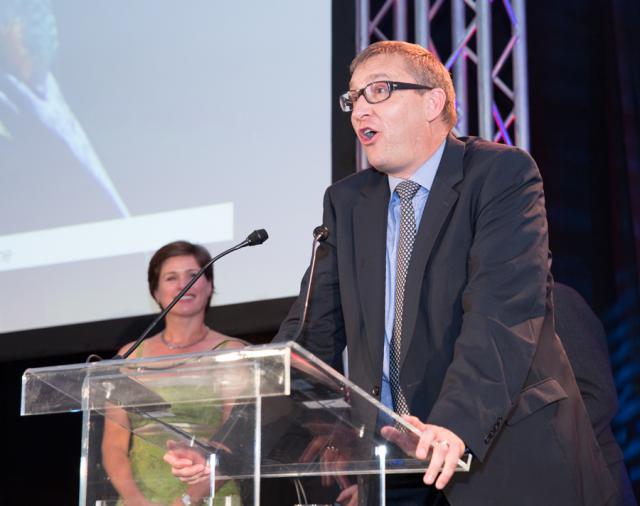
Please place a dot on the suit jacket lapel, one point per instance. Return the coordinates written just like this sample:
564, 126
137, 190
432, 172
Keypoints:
441, 201
370, 238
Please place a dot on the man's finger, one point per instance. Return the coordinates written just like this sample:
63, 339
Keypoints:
313, 449
343, 483
415, 421
347, 494
450, 464
438, 455
406, 441
425, 443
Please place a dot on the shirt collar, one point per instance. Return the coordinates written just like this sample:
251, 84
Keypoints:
425, 174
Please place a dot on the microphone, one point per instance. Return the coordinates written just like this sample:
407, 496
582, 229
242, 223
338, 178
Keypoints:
320, 234
253, 239
256, 237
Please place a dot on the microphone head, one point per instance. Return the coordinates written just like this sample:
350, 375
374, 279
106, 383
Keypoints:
257, 237
320, 233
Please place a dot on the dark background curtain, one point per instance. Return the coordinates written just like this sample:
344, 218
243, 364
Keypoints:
584, 78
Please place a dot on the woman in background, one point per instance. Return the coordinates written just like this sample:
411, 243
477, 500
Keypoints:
134, 465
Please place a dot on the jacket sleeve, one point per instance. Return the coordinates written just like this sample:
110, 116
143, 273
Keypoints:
503, 303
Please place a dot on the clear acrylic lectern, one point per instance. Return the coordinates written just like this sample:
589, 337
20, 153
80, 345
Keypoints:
256, 414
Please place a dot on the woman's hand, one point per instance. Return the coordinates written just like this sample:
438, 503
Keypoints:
187, 464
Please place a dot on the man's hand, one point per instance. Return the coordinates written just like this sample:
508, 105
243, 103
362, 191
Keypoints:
349, 496
443, 445
332, 447
332, 460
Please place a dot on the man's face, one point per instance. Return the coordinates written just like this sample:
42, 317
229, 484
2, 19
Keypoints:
403, 136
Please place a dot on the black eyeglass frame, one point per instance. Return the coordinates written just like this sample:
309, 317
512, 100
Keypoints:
349, 98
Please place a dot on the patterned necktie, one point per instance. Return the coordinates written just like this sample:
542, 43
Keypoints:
406, 191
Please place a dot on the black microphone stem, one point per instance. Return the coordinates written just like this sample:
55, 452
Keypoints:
320, 234
256, 237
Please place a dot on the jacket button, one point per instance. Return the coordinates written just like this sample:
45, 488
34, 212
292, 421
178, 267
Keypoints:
486, 440
375, 391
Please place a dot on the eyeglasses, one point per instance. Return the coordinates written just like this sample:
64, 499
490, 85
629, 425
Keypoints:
376, 92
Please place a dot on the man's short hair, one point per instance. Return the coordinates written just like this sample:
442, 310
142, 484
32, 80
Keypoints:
425, 68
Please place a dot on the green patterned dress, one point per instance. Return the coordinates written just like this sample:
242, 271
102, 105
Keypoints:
152, 475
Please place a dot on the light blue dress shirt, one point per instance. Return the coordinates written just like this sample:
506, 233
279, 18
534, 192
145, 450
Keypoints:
424, 176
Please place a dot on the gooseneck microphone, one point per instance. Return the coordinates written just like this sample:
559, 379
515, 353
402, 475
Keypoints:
320, 234
253, 239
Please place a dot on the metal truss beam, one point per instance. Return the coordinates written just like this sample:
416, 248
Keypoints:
472, 43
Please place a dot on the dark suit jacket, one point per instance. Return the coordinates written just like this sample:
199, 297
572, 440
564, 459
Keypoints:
479, 351
585, 342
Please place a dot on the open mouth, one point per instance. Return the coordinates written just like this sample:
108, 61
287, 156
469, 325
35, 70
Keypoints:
367, 135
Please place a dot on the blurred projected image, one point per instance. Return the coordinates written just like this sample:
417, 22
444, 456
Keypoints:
122, 130
46, 157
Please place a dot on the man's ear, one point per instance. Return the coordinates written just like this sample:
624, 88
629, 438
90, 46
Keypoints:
435, 100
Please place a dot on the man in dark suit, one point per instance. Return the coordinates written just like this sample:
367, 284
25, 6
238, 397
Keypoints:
436, 276
473, 355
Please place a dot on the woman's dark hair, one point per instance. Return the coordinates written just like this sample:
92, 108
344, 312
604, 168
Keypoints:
177, 249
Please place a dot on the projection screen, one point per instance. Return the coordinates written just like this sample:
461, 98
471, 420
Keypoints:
126, 125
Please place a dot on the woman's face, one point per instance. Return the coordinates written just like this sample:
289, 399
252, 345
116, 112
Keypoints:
175, 273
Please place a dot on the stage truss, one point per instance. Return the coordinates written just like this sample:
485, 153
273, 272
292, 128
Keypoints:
501, 90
